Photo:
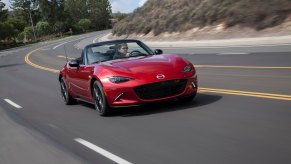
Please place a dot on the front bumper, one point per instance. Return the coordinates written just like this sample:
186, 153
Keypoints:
130, 94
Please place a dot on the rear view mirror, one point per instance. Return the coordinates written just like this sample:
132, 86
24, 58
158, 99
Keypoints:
158, 51
74, 63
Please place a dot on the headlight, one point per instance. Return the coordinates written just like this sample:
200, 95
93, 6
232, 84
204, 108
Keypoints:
119, 79
187, 68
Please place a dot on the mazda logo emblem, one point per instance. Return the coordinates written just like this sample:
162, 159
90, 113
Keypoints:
160, 76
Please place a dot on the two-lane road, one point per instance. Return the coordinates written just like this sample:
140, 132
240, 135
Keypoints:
241, 115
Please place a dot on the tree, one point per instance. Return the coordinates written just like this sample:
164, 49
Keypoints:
100, 13
59, 28
3, 12
28, 6
77, 9
18, 24
43, 28
84, 24
52, 11
7, 31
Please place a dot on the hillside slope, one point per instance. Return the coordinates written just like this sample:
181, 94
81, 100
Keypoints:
172, 16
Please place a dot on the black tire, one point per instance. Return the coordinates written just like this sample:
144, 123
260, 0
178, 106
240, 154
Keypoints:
187, 99
69, 100
99, 99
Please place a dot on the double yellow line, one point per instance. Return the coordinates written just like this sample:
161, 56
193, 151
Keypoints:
244, 67
208, 90
246, 93
26, 59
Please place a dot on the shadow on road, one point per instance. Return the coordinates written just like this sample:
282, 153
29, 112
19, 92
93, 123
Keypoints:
201, 99
166, 106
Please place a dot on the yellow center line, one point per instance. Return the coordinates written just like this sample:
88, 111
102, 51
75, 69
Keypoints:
26, 59
245, 67
201, 90
247, 93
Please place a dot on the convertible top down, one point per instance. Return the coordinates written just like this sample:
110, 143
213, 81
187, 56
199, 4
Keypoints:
143, 76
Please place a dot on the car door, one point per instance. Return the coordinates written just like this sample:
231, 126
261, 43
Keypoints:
82, 81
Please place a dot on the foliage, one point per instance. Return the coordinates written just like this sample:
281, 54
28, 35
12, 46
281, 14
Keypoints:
43, 28
55, 17
25, 5
100, 13
7, 31
18, 24
3, 12
76, 9
84, 24
28, 33
59, 27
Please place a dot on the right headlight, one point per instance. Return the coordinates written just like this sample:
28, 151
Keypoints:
187, 68
119, 79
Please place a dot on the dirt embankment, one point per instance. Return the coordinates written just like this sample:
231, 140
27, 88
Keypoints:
204, 19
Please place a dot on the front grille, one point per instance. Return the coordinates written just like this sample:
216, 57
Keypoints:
160, 89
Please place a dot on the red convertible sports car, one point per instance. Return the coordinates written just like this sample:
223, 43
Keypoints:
104, 77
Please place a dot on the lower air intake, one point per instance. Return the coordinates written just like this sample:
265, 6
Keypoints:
161, 89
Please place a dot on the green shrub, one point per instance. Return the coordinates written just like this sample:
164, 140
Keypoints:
84, 24
43, 28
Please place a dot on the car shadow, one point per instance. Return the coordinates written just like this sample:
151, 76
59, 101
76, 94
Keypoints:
201, 99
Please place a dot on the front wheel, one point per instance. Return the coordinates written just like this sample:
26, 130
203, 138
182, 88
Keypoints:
65, 93
100, 102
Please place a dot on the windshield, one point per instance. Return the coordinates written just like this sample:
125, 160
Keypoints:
113, 50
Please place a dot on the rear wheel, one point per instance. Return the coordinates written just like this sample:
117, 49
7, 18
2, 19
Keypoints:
65, 93
100, 102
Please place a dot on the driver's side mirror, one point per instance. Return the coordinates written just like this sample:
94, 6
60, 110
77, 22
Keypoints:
74, 63
158, 51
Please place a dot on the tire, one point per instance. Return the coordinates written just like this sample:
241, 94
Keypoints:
69, 100
187, 99
99, 99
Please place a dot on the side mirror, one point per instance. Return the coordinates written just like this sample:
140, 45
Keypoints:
158, 51
74, 63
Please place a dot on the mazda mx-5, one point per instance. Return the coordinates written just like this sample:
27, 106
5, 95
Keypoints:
141, 76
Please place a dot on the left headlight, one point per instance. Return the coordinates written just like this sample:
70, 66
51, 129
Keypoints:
119, 79
187, 68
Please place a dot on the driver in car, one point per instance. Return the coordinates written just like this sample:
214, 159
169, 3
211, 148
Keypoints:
122, 51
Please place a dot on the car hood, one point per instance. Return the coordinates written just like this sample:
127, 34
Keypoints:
166, 64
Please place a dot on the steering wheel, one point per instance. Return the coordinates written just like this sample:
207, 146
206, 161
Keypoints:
134, 53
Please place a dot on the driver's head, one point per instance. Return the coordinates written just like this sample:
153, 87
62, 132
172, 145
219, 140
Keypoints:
123, 48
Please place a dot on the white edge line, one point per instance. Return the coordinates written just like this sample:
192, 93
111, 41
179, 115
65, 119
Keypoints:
13, 103
102, 151
59, 45
60, 56
234, 53
68, 42
45, 49
95, 40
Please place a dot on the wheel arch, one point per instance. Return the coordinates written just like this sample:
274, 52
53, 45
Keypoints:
92, 82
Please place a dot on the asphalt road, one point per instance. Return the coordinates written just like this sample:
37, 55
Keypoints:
242, 113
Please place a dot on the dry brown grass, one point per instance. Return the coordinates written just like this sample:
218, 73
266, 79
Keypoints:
159, 16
